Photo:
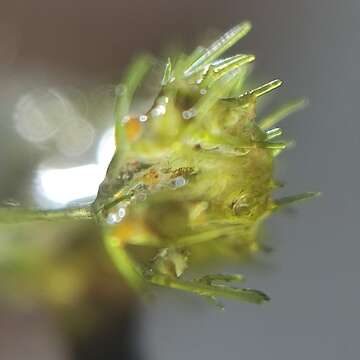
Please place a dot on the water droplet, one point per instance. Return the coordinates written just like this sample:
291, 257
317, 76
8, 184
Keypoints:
203, 92
112, 218
126, 119
179, 181
116, 215
121, 212
158, 111
143, 118
188, 114
162, 100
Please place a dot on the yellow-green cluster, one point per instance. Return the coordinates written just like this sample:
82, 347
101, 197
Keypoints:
191, 179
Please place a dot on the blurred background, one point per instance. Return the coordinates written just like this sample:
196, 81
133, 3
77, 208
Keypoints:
64, 57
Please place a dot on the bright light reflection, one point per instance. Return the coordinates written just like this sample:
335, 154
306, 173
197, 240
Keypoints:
62, 186
65, 185
106, 147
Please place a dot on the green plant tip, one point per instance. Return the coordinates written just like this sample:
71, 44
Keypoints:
191, 179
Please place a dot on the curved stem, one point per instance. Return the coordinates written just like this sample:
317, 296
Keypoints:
203, 289
18, 214
123, 262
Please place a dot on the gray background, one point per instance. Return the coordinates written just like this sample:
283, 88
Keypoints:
314, 47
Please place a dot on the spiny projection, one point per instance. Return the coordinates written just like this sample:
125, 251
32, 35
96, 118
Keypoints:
192, 178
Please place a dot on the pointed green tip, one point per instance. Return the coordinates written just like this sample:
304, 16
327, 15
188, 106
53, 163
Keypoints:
264, 89
312, 195
274, 84
251, 57
301, 103
217, 48
254, 296
289, 200
283, 112
246, 26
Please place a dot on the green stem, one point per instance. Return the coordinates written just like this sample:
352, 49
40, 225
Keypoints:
248, 295
18, 214
123, 262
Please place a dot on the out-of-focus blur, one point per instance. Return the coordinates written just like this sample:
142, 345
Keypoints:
59, 63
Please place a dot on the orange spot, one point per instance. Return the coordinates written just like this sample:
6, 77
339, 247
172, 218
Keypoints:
132, 128
124, 231
151, 177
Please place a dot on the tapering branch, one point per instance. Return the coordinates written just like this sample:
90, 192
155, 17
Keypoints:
19, 214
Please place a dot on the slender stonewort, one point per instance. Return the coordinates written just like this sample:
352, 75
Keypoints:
191, 179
